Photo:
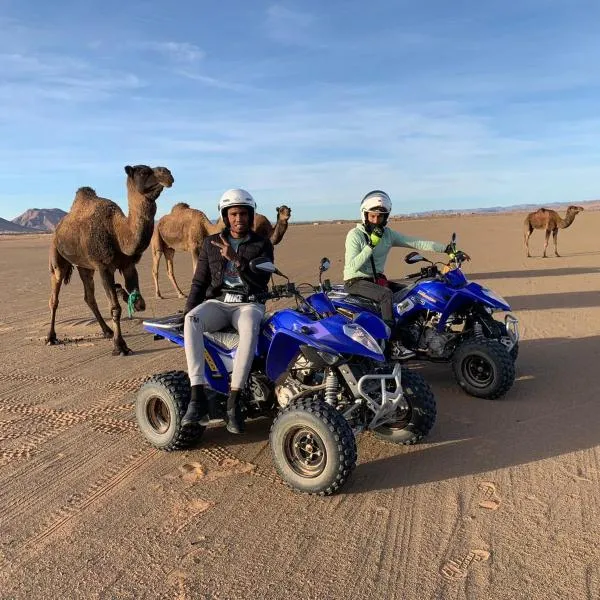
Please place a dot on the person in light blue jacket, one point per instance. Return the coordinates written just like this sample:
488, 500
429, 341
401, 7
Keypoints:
367, 249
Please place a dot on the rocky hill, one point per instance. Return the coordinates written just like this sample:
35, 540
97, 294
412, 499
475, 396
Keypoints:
10, 227
40, 219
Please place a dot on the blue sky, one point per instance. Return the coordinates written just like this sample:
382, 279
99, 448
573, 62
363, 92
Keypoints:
311, 104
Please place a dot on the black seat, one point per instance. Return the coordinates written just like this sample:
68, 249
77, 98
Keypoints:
362, 301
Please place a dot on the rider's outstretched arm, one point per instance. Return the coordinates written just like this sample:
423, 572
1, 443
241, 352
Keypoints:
408, 241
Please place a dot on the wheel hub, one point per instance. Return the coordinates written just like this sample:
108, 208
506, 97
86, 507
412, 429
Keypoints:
305, 452
159, 415
478, 370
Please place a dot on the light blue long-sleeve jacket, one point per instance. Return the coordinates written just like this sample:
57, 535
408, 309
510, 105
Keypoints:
357, 261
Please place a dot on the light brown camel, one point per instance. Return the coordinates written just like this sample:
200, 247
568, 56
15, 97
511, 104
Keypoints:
96, 235
549, 220
185, 228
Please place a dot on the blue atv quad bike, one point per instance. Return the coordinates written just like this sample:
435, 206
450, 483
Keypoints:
443, 317
319, 375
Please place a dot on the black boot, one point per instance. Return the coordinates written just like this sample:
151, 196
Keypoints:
235, 419
197, 410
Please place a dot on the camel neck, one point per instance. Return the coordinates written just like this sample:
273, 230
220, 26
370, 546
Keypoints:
140, 221
568, 220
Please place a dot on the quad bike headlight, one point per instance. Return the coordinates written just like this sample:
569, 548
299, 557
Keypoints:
361, 336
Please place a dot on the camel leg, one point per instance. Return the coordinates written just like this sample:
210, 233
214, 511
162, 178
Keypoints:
547, 232
528, 232
555, 238
60, 271
108, 281
169, 254
87, 278
56, 278
156, 254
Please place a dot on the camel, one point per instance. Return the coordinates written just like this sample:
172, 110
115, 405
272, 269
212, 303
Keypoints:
185, 228
95, 235
551, 221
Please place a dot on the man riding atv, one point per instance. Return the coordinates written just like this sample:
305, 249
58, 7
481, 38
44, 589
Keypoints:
219, 297
367, 248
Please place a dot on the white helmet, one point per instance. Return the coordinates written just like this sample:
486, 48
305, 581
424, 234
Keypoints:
375, 201
236, 197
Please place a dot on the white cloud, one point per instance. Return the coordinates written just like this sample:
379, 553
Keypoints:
58, 77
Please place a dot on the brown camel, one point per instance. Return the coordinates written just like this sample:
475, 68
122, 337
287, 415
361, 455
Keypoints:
551, 221
96, 235
185, 228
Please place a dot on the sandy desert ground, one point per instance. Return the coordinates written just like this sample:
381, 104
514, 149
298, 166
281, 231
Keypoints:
500, 502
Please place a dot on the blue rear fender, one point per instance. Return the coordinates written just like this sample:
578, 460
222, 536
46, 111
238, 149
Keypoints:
215, 371
169, 334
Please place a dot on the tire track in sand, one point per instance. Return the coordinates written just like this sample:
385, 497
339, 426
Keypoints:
124, 385
110, 481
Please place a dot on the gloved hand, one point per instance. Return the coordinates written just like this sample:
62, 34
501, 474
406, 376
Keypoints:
457, 254
375, 236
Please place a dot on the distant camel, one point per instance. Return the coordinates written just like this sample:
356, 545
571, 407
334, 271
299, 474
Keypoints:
185, 228
96, 235
549, 220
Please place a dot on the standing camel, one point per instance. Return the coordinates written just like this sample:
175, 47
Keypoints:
185, 228
96, 235
551, 221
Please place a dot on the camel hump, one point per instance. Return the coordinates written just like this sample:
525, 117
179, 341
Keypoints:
86, 192
180, 206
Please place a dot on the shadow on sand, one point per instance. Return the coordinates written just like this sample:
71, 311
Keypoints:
552, 410
533, 273
549, 301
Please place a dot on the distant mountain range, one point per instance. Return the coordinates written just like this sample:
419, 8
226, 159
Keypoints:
558, 206
44, 220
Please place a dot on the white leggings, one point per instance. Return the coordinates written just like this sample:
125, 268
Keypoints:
214, 315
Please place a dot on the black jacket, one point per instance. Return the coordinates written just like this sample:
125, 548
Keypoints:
208, 277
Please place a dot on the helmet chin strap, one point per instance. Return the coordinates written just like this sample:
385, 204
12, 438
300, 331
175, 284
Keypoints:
370, 226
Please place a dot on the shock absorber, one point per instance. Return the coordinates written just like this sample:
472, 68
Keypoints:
332, 387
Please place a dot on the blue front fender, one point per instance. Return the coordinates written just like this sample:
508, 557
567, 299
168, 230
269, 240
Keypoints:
284, 347
471, 294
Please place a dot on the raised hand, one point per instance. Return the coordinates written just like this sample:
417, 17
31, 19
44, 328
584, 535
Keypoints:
226, 250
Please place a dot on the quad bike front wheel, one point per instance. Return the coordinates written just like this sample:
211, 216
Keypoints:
313, 447
160, 405
483, 368
414, 423
499, 333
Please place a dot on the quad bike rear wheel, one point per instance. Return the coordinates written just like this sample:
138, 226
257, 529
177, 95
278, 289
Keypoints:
160, 405
415, 423
313, 447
